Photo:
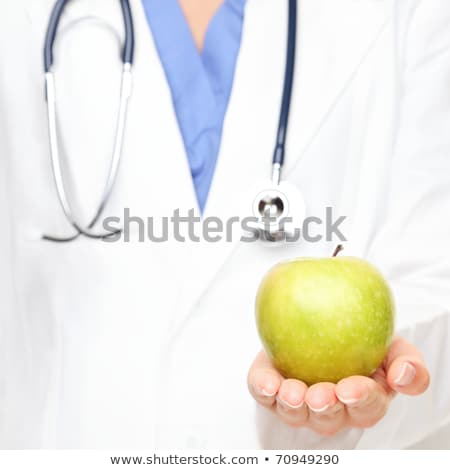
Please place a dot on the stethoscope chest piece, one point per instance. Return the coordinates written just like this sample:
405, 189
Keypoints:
278, 212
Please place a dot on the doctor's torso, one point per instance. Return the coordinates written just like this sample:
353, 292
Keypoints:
144, 344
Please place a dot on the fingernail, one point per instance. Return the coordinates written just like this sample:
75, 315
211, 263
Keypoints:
289, 406
267, 391
319, 410
348, 401
346, 397
406, 375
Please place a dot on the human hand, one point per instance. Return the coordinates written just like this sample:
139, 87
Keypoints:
327, 408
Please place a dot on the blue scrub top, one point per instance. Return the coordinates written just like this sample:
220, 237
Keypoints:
200, 82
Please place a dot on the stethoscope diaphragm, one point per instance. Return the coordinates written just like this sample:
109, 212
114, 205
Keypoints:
277, 213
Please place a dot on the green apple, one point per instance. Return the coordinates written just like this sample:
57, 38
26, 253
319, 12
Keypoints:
321, 320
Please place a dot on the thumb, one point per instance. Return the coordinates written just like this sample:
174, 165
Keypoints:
264, 380
405, 368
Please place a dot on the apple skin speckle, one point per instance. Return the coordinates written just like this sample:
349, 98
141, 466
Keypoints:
321, 320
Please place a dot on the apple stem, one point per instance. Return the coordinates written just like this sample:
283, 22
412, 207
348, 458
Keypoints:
338, 249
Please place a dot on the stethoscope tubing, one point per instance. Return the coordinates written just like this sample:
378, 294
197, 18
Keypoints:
125, 93
280, 144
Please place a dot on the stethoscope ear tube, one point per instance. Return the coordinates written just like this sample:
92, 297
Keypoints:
128, 48
55, 17
51, 33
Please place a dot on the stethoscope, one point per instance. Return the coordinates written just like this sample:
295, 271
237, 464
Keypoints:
272, 204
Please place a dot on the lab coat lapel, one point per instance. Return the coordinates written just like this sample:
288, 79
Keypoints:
155, 150
333, 39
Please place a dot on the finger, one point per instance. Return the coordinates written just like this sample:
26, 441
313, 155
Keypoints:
326, 414
264, 381
291, 406
365, 399
405, 368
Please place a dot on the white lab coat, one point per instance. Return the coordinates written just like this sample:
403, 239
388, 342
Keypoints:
148, 344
